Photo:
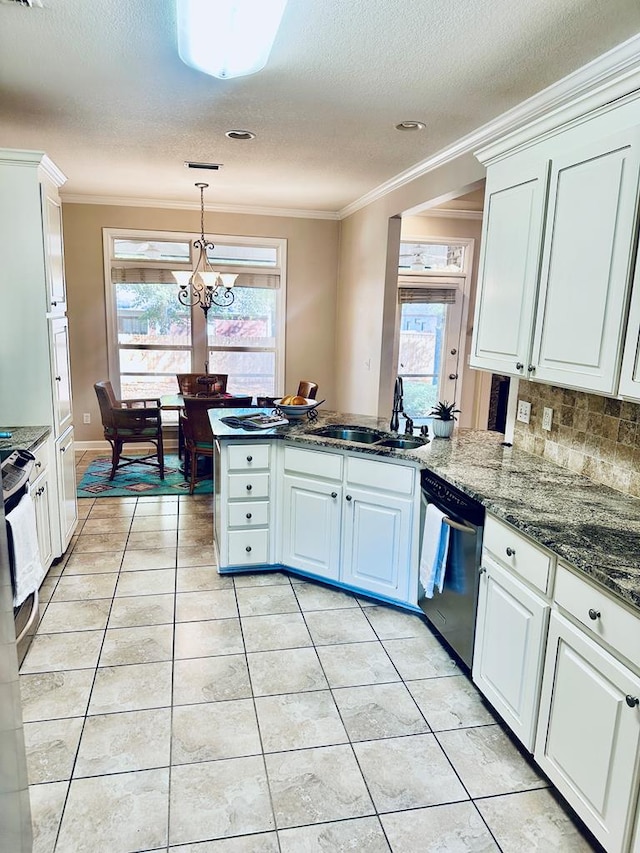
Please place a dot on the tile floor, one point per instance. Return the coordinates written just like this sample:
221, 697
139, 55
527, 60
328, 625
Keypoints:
170, 709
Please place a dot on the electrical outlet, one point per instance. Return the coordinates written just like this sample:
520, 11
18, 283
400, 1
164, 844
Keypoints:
547, 418
524, 411
86, 418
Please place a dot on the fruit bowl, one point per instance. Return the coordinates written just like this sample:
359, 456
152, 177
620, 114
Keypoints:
296, 413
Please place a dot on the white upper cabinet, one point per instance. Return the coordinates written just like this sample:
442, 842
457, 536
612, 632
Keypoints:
586, 263
509, 266
54, 249
557, 256
630, 373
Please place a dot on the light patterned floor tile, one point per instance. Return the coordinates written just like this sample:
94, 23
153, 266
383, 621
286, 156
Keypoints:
456, 827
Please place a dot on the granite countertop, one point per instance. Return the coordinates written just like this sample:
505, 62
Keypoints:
23, 437
593, 527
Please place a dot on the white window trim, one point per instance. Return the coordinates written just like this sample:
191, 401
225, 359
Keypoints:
111, 234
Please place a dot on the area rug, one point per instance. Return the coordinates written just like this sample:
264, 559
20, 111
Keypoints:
137, 480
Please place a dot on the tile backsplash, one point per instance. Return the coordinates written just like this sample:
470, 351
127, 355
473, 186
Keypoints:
591, 435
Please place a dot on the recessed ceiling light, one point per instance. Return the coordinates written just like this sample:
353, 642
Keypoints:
411, 125
240, 134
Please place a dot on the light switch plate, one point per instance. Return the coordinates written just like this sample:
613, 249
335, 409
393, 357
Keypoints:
547, 418
524, 411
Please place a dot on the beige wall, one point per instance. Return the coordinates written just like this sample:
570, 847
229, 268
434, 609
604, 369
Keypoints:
365, 310
312, 250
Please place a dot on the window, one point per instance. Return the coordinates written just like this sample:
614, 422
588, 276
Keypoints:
152, 336
425, 255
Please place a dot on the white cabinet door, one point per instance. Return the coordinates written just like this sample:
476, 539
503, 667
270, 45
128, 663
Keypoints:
62, 413
588, 738
67, 501
630, 374
377, 542
511, 628
509, 266
42, 504
586, 264
311, 526
54, 252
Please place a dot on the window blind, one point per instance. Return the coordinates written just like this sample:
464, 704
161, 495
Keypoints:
161, 275
441, 295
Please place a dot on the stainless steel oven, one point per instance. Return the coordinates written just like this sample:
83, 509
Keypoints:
453, 611
16, 470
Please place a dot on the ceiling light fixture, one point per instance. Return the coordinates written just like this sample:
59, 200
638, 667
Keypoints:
213, 167
240, 134
204, 286
411, 125
227, 38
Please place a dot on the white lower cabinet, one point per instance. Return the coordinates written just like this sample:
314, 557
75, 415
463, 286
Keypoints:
511, 630
67, 495
311, 525
588, 738
42, 503
377, 542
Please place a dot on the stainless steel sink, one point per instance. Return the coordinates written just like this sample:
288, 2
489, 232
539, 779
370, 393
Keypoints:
403, 442
362, 435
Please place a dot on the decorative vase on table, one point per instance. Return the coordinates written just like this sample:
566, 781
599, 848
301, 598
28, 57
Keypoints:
444, 417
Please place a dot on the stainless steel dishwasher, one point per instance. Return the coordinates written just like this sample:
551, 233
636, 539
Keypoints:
453, 611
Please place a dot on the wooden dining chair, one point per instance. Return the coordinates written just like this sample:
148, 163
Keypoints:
307, 389
198, 437
202, 384
130, 422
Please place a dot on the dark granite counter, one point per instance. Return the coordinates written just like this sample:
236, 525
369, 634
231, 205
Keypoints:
591, 526
24, 437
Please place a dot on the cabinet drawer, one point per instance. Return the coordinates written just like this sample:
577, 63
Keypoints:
516, 553
594, 609
314, 462
248, 457
247, 547
41, 452
249, 485
380, 475
249, 514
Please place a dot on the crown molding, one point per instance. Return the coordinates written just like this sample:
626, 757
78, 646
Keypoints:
604, 79
450, 213
248, 210
33, 159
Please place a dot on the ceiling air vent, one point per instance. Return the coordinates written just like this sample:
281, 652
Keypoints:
212, 167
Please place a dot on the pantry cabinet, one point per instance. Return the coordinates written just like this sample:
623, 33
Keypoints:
34, 347
557, 254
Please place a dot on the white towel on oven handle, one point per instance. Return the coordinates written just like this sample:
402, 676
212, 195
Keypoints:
435, 548
28, 571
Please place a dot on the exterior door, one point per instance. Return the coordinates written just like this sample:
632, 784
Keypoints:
377, 542
588, 739
311, 526
586, 264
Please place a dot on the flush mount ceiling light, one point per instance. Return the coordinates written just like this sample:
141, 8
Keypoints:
227, 38
240, 134
204, 286
411, 125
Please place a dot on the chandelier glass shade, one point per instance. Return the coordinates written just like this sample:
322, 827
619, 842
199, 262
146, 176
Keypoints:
204, 286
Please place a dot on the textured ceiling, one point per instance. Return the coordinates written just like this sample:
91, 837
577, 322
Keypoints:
99, 86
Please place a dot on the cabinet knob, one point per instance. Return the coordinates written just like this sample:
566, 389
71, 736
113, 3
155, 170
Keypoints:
248, 515
453, 376
519, 365
511, 552
249, 487
349, 497
58, 378
594, 614
482, 571
54, 303
248, 549
38, 464
249, 458
334, 494
531, 368
632, 701
63, 449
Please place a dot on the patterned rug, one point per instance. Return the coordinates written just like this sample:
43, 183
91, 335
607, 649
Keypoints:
137, 480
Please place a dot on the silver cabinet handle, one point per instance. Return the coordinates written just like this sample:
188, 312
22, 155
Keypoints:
464, 528
511, 552
632, 701
32, 617
594, 614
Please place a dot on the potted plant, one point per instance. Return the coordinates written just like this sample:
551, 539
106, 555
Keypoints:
444, 416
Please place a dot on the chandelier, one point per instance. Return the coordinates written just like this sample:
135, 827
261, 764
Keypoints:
204, 286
